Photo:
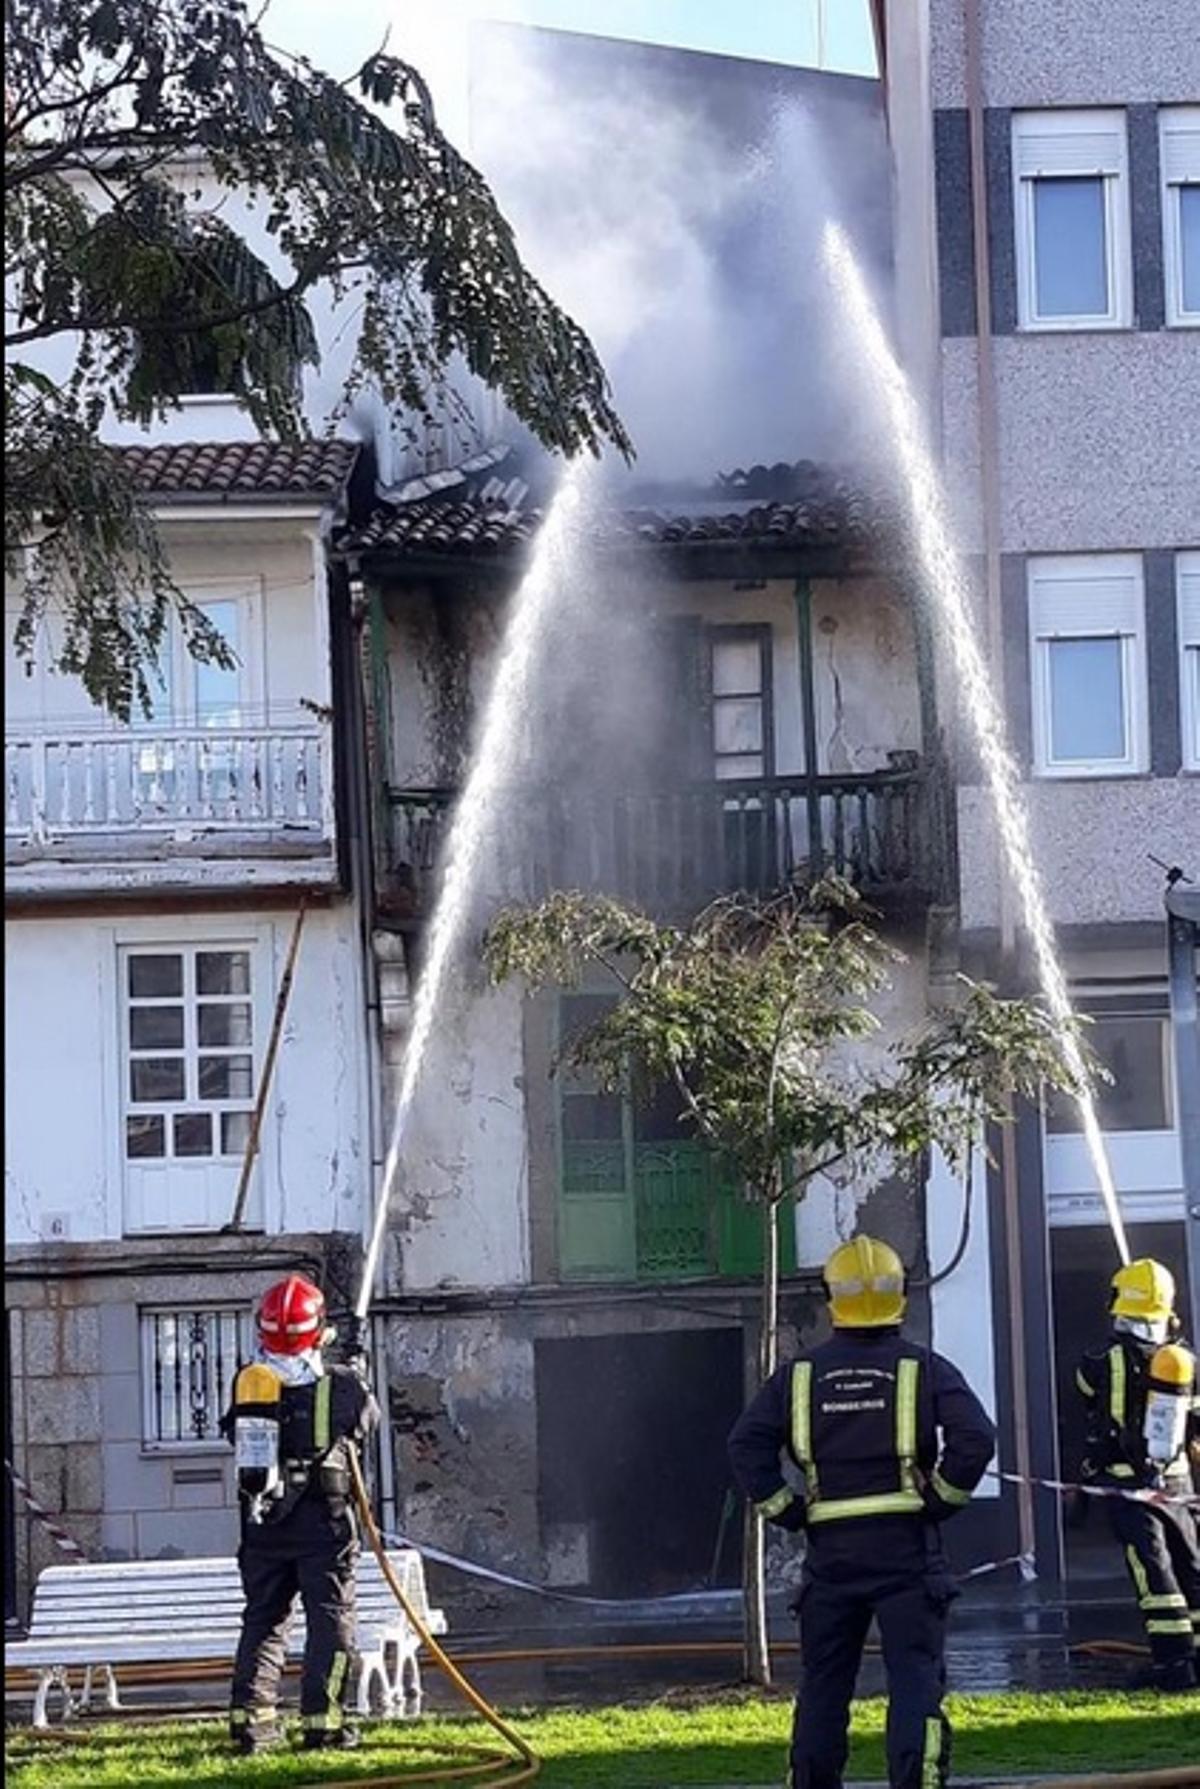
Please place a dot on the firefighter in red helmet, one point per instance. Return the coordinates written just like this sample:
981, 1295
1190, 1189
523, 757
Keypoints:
293, 1419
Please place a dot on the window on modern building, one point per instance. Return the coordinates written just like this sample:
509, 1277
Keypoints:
1088, 663
189, 1360
188, 1027
1131, 1037
1179, 157
1187, 572
1071, 195
641, 1197
740, 662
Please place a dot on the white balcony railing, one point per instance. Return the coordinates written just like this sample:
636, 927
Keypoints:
181, 780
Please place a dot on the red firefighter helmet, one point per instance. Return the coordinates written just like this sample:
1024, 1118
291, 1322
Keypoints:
291, 1316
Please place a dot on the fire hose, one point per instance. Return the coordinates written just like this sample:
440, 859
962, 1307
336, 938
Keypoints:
491, 1767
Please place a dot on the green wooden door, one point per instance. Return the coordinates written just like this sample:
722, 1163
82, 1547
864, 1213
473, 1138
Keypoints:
674, 1206
596, 1224
740, 1234
637, 1200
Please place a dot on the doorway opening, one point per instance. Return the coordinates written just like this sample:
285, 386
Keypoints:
634, 1489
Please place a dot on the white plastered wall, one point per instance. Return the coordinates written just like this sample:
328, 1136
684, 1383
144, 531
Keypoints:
285, 659
63, 1117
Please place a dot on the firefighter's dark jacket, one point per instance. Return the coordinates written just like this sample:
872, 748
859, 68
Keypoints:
318, 1421
1113, 1380
860, 1416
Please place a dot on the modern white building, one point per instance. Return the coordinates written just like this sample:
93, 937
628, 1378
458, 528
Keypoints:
1047, 191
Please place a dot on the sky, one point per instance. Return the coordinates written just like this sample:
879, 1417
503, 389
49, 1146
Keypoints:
339, 34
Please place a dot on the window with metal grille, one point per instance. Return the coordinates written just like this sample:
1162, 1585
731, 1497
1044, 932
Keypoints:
189, 1051
189, 1360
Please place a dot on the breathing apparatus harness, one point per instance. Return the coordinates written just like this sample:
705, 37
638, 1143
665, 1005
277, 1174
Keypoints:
1141, 1309
287, 1440
288, 1433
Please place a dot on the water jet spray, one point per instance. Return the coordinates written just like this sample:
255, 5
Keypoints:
491, 767
947, 586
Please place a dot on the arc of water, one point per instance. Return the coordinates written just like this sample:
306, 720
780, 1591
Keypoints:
947, 583
490, 768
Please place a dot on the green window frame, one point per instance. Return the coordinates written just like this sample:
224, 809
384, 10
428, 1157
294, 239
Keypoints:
636, 1202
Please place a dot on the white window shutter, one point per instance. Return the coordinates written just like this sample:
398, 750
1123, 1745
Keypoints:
1189, 599
1181, 146
1091, 599
1045, 146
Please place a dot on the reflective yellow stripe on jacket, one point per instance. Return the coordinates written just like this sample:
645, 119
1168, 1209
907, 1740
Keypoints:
1116, 1385
321, 1420
906, 1423
905, 1501
802, 1427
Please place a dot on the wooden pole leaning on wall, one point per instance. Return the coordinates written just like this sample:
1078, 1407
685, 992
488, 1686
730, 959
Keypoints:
268, 1068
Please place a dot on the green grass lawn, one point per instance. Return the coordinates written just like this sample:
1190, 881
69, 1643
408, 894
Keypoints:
686, 1739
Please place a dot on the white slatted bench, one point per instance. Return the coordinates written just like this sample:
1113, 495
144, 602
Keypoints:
167, 1610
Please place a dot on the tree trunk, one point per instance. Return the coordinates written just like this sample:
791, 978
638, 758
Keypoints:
756, 1646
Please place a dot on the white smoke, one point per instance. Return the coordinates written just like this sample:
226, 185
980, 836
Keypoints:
658, 196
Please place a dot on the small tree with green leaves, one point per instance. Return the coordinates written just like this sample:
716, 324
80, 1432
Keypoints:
758, 1012
153, 290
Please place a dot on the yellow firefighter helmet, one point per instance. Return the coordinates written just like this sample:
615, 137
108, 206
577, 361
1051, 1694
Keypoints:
864, 1282
1144, 1289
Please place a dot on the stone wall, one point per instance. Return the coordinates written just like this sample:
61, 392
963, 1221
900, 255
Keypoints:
75, 1358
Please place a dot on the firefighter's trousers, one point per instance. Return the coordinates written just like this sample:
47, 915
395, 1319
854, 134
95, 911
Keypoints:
834, 1619
311, 1553
1162, 1552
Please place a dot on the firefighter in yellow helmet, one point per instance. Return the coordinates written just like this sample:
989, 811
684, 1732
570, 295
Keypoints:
1142, 1412
860, 1417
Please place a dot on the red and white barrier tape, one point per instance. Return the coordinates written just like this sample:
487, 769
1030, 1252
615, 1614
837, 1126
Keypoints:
66, 1543
1024, 1560
678, 1600
1139, 1494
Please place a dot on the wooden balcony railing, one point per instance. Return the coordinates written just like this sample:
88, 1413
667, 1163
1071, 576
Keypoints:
265, 780
673, 850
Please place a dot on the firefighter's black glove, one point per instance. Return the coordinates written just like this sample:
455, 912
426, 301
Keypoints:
352, 1337
792, 1519
935, 1508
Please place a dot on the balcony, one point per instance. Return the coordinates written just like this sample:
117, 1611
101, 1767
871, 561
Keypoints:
672, 851
167, 807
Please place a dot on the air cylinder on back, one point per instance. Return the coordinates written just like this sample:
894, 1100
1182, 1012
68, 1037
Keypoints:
1168, 1401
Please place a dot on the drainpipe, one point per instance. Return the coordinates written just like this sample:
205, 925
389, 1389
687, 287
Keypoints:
1183, 942
808, 721
362, 861
985, 374
985, 377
